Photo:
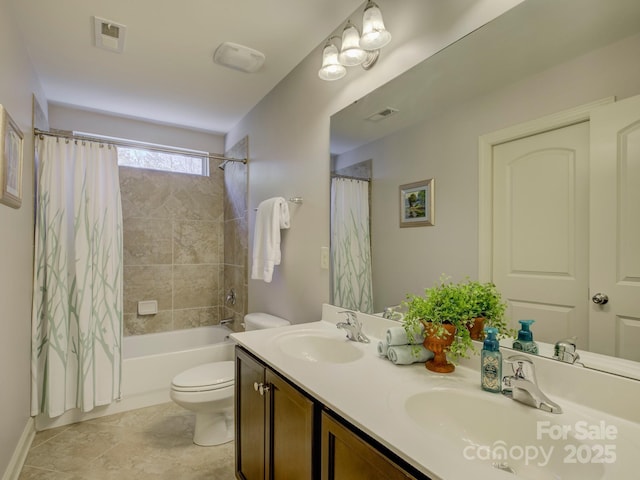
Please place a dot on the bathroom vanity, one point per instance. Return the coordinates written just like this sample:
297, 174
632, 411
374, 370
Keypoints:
312, 405
284, 432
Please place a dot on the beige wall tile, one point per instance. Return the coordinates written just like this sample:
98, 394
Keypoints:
197, 198
195, 317
151, 282
235, 242
135, 324
196, 286
196, 242
147, 241
235, 182
145, 193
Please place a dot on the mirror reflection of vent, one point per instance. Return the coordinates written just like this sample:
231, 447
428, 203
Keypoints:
382, 114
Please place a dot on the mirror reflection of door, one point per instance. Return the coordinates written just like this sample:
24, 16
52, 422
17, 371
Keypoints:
615, 228
565, 227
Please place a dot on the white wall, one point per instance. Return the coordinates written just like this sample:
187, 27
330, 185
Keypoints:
68, 118
289, 141
18, 82
446, 148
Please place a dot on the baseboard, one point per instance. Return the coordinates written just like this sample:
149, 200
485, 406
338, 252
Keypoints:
20, 453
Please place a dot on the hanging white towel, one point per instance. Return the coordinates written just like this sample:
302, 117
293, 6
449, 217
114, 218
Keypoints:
272, 216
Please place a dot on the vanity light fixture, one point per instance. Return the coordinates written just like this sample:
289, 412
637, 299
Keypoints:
331, 68
355, 49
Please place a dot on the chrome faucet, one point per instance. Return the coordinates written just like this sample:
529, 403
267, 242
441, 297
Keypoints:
353, 327
565, 350
391, 313
523, 387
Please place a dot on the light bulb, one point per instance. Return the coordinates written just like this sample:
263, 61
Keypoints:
374, 35
351, 54
331, 68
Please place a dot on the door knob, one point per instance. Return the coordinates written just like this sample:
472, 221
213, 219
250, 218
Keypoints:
600, 299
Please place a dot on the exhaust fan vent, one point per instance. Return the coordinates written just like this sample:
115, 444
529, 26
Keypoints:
382, 114
109, 35
238, 57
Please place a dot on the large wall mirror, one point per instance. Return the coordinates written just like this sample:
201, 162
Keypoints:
539, 58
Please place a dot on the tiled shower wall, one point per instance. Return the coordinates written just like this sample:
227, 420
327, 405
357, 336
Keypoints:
236, 233
173, 248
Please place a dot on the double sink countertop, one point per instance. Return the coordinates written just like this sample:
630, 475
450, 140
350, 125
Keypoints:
444, 425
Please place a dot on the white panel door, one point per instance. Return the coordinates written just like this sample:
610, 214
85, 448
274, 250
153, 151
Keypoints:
615, 229
541, 230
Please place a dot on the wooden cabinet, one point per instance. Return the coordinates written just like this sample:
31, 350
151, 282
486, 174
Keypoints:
250, 416
347, 456
274, 425
283, 433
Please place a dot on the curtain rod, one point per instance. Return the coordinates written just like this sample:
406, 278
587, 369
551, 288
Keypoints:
121, 143
347, 177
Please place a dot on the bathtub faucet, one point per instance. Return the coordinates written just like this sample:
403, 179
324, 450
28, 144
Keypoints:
231, 297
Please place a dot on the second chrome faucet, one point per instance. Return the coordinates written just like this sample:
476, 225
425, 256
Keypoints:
523, 387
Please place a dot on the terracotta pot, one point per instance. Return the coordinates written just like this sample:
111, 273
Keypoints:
476, 330
439, 347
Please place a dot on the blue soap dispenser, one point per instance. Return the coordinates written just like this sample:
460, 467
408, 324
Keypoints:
525, 342
491, 362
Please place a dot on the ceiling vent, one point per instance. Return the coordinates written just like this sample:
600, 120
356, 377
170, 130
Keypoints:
109, 35
238, 57
382, 114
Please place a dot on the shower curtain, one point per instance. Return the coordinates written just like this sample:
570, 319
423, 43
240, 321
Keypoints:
77, 293
351, 245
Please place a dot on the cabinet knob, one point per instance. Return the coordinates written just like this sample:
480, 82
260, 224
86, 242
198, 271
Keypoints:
261, 387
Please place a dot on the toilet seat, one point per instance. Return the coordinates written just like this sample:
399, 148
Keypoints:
206, 377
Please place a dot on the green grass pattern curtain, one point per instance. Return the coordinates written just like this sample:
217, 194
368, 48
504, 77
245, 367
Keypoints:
77, 301
351, 280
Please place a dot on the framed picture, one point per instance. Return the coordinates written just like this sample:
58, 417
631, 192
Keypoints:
416, 204
11, 143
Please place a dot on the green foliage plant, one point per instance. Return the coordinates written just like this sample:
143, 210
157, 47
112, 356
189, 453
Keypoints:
444, 303
484, 300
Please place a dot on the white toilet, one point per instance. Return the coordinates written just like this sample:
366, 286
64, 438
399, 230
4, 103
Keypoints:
208, 390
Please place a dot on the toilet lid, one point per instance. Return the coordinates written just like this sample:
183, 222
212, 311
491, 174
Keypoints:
208, 376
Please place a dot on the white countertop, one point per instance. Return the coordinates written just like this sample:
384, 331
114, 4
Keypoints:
370, 393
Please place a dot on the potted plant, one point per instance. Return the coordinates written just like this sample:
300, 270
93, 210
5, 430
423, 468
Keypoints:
486, 309
442, 316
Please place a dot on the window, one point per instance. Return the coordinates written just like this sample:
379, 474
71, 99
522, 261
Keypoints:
155, 160
157, 157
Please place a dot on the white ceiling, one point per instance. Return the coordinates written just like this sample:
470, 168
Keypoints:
166, 73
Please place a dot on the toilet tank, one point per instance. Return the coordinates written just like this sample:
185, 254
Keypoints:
260, 321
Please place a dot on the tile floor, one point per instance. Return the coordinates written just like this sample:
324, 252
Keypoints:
149, 443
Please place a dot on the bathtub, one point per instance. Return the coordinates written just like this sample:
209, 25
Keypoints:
149, 363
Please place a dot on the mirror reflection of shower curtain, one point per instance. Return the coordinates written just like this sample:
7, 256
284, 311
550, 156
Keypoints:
351, 282
77, 300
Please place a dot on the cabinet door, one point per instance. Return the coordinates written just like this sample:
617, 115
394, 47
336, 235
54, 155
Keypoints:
346, 456
250, 418
289, 431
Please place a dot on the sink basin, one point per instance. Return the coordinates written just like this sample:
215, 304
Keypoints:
316, 346
500, 433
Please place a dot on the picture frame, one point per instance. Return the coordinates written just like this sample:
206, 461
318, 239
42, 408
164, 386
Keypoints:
11, 158
417, 205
